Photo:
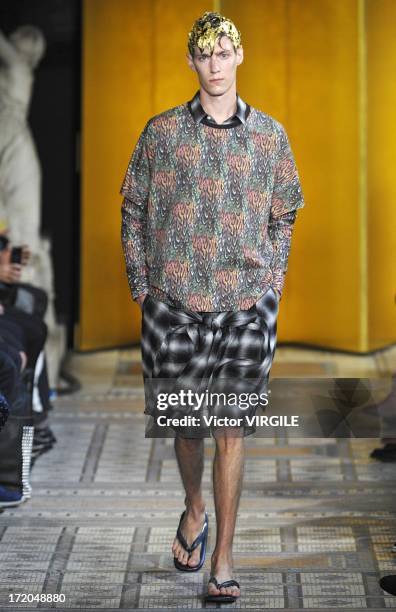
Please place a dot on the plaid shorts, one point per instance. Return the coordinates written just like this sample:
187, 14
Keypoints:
225, 354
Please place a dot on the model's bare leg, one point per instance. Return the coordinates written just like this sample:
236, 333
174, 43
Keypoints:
228, 467
190, 459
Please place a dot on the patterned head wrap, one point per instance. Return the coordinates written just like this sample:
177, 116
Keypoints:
207, 28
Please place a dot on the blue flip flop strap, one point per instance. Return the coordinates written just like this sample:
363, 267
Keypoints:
225, 584
197, 540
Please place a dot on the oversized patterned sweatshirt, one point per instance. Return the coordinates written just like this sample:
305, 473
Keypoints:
209, 209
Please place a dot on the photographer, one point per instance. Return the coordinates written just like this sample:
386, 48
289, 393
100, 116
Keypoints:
17, 311
23, 375
13, 360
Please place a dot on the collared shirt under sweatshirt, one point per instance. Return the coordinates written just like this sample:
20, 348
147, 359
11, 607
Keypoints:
208, 208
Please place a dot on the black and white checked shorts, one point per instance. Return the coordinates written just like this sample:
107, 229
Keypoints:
226, 353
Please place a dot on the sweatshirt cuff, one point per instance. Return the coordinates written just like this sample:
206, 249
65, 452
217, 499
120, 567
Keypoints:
139, 288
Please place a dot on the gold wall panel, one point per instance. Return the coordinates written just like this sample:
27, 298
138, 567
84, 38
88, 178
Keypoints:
117, 94
305, 64
301, 68
381, 71
134, 66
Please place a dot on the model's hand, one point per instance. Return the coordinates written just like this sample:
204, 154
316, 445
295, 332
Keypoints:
10, 273
140, 299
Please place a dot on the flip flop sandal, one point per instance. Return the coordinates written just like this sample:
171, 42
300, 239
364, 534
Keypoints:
202, 538
222, 598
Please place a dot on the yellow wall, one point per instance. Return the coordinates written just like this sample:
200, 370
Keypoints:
304, 65
127, 78
301, 68
381, 70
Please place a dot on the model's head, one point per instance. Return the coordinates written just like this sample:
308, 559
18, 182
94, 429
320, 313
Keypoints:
215, 51
30, 44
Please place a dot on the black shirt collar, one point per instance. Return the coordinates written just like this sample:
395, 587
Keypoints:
200, 116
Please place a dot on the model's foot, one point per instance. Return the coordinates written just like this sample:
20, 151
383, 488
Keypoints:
191, 527
221, 569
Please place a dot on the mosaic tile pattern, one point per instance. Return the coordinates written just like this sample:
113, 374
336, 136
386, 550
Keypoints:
315, 526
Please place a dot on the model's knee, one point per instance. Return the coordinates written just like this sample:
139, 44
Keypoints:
229, 441
189, 443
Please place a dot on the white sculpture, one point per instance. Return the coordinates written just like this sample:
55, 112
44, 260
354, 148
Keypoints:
20, 172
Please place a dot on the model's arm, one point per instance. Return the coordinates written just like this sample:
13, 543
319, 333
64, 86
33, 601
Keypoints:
135, 189
287, 197
8, 53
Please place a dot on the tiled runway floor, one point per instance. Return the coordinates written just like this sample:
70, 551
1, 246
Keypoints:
315, 526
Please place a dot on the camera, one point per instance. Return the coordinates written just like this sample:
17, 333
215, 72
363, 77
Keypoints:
3, 242
16, 255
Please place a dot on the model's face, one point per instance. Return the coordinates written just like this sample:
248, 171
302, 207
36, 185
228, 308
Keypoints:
217, 71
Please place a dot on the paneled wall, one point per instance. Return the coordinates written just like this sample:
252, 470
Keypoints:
134, 66
322, 68
381, 146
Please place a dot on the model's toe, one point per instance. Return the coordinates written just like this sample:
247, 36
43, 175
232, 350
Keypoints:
183, 557
194, 558
212, 590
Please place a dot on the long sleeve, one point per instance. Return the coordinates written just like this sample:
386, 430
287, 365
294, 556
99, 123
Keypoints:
135, 189
287, 197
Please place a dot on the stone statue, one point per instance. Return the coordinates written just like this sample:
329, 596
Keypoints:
20, 172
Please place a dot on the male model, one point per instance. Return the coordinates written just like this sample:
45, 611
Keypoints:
210, 199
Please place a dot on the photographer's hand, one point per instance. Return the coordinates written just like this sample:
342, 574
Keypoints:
10, 273
5, 256
26, 254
